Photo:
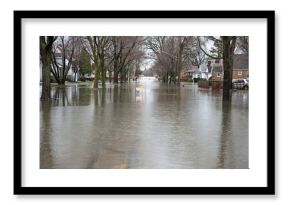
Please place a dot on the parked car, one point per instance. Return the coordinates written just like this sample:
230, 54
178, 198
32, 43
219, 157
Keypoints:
241, 84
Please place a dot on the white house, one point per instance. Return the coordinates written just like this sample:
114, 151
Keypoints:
205, 71
71, 74
201, 72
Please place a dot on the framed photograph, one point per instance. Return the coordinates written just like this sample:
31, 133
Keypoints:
144, 102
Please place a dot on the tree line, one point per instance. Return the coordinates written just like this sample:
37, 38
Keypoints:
172, 53
121, 57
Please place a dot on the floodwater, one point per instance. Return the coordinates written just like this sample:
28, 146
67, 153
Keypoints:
143, 124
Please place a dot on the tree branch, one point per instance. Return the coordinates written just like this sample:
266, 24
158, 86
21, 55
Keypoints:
199, 44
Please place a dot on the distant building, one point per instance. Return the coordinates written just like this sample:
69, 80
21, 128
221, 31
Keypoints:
72, 70
189, 72
217, 72
194, 71
215, 67
241, 66
205, 71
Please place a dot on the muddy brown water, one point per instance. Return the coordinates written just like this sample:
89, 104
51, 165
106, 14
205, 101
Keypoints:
143, 124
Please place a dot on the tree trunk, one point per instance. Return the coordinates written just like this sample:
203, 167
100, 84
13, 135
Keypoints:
116, 70
122, 77
45, 95
115, 77
180, 54
45, 55
128, 76
179, 66
103, 74
97, 76
163, 79
61, 82
115, 66
96, 61
228, 66
110, 76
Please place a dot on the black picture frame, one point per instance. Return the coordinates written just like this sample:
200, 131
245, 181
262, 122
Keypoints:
19, 189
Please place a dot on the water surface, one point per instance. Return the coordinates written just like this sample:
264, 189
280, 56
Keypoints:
143, 124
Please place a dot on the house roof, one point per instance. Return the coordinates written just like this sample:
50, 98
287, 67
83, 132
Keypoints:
241, 62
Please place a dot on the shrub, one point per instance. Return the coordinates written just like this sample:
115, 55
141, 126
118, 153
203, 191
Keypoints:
186, 79
196, 79
202, 83
217, 84
82, 78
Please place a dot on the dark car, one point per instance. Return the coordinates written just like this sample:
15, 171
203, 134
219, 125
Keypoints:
241, 84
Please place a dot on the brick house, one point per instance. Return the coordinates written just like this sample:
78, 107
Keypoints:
217, 73
189, 71
217, 69
241, 66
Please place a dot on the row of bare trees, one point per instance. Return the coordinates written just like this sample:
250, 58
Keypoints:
224, 47
172, 53
120, 56
117, 55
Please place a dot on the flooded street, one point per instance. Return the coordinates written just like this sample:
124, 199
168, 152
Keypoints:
143, 125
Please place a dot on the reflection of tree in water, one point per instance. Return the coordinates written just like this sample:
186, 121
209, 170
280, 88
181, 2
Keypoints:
104, 96
125, 93
226, 137
96, 97
99, 97
71, 96
115, 93
45, 144
59, 97
75, 98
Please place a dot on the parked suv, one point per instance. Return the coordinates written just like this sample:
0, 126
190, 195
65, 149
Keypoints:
241, 84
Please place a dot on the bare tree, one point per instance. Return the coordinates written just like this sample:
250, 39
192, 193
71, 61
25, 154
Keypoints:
228, 47
76, 56
98, 46
181, 44
164, 52
102, 42
62, 58
229, 44
92, 50
243, 44
168, 54
123, 48
193, 55
46, 43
